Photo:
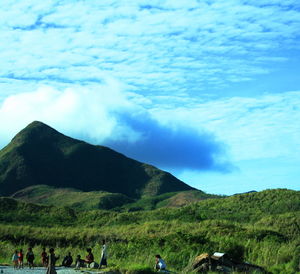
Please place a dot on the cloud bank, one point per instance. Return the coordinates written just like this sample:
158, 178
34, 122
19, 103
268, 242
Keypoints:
106, 116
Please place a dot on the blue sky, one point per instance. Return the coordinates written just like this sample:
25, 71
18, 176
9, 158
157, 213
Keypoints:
208, 90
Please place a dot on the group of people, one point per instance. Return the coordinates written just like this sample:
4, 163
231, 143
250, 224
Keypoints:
49, 260
18, 258
89, 260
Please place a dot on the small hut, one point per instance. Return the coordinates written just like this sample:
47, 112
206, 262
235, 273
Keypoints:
222, 262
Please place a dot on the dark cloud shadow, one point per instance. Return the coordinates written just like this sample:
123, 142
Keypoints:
167, 147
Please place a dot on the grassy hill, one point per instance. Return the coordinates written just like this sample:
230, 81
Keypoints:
41, 155
261, 228
43, 194
77, 199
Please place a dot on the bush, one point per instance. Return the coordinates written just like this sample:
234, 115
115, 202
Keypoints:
233, 250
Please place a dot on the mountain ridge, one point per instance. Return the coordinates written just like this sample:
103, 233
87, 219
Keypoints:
39, 154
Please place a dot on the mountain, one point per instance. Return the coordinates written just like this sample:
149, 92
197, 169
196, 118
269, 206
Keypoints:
40, 155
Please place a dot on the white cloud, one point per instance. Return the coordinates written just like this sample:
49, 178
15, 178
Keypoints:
81, 112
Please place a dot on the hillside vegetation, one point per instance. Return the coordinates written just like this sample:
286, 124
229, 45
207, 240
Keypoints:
262, 228
40, 155
74, 198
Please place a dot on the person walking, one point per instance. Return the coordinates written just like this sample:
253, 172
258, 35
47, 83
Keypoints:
51, 262
15, 259
30, 257
103, 260
20, 259
44, 256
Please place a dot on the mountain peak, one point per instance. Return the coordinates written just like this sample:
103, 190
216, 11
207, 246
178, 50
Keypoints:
39, 133
37, 125
36, 129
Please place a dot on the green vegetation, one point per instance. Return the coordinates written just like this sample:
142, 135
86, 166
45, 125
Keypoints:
47, 195
261, 228
39, 155
73, 198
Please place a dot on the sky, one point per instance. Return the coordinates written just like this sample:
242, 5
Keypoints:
208, 90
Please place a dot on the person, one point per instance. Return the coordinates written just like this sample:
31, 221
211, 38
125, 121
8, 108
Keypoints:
44, 256
159, 263
79, 262
30, 257
68, 260
20, 258
89, 257
51, 262
103, 260
15, 259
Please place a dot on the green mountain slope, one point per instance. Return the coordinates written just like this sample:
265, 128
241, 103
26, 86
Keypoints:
41, 155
